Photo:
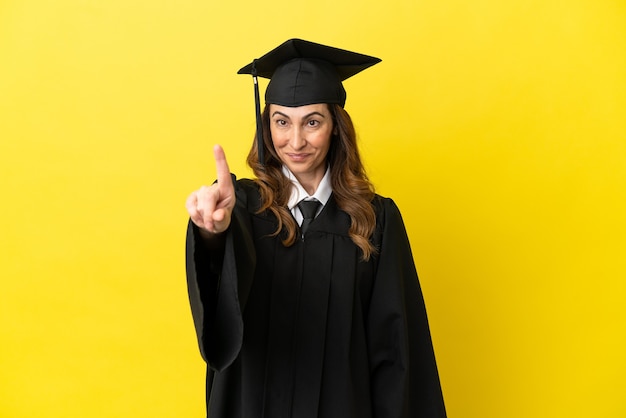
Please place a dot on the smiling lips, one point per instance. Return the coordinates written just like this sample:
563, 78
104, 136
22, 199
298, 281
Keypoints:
297, 157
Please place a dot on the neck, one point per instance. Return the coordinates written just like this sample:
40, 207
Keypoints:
310, 183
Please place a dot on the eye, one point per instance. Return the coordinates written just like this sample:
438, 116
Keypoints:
313, 123
280, 122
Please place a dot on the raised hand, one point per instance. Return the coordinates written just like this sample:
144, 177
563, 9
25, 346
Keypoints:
210, 207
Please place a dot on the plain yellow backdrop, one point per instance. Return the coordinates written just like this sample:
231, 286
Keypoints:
498, 127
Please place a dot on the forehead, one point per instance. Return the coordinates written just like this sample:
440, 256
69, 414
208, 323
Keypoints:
300, 111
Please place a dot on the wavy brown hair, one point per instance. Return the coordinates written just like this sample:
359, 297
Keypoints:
352, 190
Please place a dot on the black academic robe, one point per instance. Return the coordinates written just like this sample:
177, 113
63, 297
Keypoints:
311, 330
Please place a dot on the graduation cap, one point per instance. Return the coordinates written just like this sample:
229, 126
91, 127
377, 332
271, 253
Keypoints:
303, 73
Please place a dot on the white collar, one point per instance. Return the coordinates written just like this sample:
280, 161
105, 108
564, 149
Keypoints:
322, 194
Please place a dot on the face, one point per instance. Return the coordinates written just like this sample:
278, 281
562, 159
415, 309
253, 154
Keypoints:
301, 137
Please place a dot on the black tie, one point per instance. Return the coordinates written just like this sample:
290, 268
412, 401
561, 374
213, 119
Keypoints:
308, 209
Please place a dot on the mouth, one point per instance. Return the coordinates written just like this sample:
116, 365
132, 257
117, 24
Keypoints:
297, 157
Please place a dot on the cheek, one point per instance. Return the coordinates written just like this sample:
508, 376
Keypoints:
276, 138
323, 141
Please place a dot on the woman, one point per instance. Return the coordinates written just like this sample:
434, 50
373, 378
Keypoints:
304, 314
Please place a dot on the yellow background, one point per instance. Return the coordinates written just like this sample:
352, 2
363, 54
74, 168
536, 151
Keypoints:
499, 127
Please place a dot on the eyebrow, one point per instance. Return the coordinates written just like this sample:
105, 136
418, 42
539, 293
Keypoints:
277, 112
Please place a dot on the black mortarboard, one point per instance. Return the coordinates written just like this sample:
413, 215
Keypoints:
303, 73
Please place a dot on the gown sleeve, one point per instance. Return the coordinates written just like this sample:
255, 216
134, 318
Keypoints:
218, 283
404, 377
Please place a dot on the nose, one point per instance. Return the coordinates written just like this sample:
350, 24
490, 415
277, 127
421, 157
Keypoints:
297, 138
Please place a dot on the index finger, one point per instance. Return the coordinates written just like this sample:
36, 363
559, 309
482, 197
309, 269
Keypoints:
223, 172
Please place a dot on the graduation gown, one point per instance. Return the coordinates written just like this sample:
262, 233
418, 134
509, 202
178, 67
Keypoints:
311, 330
